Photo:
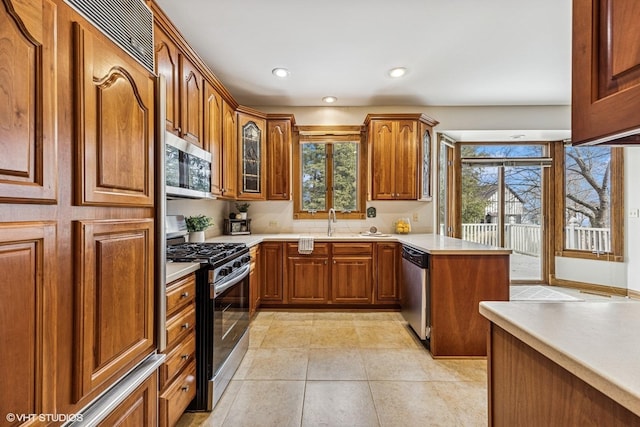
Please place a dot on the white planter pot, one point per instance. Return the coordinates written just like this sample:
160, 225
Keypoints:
196, 236
243, 215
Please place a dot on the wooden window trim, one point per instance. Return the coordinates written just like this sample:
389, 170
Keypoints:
616, 204
329, 134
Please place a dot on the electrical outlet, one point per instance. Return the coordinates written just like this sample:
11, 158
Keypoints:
416, 218
273, 223
633, 213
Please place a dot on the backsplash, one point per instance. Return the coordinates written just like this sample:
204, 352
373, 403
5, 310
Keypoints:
277, 217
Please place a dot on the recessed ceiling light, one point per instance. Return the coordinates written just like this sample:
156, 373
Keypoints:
397, 72
280, 72
329, 99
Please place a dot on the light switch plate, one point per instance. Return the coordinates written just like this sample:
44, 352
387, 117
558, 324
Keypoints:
633, 213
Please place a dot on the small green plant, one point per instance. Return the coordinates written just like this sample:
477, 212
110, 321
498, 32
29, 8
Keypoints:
198, 223
242, 207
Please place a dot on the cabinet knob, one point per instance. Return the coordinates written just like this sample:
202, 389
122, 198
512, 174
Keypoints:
185, 388
185, 326
334, 261
184, 356
184, 295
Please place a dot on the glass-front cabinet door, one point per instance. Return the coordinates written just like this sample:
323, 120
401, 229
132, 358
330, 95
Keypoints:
251, 165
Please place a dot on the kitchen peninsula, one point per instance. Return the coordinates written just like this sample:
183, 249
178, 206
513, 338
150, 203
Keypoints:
461, 274
563, 363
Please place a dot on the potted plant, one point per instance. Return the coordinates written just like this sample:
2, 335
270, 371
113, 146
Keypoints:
196, 226
243, 208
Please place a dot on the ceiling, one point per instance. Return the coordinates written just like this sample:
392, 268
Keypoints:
457, 52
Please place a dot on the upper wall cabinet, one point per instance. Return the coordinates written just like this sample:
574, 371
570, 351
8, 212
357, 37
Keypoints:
396, 146
279, 157
606, 71
251, 155
114, 124
28, 111
229, 152
185, 90
213, 135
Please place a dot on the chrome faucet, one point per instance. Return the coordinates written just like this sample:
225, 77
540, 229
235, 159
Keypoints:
331, 216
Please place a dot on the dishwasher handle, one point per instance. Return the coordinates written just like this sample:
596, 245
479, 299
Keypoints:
416, 256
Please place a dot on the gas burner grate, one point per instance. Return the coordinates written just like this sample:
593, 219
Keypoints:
203, 252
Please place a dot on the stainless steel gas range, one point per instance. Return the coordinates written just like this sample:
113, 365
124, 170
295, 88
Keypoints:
222, 313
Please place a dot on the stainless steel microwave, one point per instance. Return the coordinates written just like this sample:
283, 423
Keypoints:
187, 169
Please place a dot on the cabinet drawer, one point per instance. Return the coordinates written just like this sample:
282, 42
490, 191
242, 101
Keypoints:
318, 249
353, 248
177, 396
177, 359
180, 293
180, 325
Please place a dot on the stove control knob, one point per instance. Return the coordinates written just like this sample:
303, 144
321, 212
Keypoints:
246, 259
224, 271
237, 264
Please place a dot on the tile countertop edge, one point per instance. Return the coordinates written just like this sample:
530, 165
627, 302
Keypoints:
431, 243
611, 384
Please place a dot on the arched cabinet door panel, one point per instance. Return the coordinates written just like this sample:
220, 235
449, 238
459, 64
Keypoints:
114, 124
28, 113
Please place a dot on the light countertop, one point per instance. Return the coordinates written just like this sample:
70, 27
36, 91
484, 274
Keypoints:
176, 270
432, 243
599, 342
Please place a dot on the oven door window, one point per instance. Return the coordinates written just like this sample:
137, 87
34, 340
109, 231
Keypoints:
231, 320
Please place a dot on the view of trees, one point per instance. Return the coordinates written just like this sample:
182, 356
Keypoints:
587, 185
316, 179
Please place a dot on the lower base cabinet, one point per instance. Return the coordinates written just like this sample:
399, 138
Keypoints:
177, 396
178, 372
137, 410
528, 389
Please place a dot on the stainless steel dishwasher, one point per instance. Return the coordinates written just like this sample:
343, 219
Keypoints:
415, 292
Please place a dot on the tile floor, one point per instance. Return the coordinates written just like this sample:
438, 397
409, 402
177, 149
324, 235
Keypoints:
345, 369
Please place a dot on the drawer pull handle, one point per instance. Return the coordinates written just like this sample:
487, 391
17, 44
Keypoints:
185, 326
185, 388
184, 295
184, 356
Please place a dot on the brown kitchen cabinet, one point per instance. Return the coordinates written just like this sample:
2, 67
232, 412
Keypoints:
191, 102
114, 299
308, 275
213, 135
279, 140
140, 408
28, 164
605, 72
458, 283
27, 292
168, 65
229, 152
351, 273
255, 279
272, 260
176, 396
185, 89
387, 272
395, 146
251, 154
180, 350
115, 124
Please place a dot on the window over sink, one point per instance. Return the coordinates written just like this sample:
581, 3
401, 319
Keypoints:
330, 172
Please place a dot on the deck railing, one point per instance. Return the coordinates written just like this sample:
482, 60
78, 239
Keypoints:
526, 238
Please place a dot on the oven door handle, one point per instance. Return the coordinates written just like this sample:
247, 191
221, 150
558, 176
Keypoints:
217, 290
